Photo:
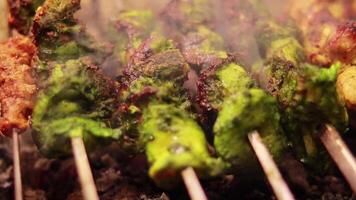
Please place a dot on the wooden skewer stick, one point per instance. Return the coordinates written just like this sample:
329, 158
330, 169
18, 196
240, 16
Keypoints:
192, 184
17, 168
340, 154
83, 168
4, 27
279, 186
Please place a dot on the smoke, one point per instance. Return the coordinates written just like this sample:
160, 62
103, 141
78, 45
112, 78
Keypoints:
232, 19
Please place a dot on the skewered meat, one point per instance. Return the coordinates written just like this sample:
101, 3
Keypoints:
202, 48
325, 26
273, 39
234, 21
76, 99
154, 94
59, 37
17, 84
22, 13
303, 92
200, 44
346, 90
181, 16
342, 46
227, 93
132, 27
329, 38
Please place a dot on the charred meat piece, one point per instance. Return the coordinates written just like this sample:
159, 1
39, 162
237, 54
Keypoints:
17, 84
203, 48
60, 37
22, 13
303, 91
131, 28
324, 27
342, 46
329, 37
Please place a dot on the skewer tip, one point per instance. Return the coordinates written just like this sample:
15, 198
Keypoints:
83, 169
341, 155
192, 184
17, 166
279, 186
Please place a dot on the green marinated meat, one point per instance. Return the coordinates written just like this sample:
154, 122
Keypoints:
200, 44
59, 37
22, 13
214, 85
77, 101
274, 39
306, 94
237, 107
182, 16
174, 141
155, 98
203, 48
239, 115
129, 30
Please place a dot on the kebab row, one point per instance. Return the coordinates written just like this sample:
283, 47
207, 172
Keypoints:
72, 109
302, 92
75, 100
133, 20
326, 77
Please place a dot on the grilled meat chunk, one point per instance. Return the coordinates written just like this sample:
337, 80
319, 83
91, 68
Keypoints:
154, 96
235, 107
324, 25
303, 91
22, 13
76, 101
75, 98
131, 28
59, 37
17, 84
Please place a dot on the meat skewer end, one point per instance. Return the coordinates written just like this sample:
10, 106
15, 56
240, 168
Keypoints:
339, 152
17, 168
83, 168
279, 186
192, 184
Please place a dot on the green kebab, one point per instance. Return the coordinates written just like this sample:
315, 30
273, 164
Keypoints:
153, 95
75, 98
230, 98
306, 94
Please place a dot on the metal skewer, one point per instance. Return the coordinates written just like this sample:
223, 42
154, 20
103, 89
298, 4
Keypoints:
17, 168
340, 154
279, 186
83, 168
192, 184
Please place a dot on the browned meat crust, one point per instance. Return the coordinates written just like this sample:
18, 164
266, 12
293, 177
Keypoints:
22, 13
17, 84
342, 45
